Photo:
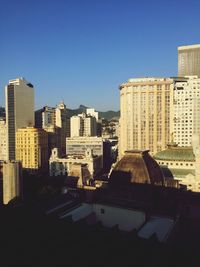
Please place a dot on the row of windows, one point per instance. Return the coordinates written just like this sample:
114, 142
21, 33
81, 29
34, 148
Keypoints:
176, 164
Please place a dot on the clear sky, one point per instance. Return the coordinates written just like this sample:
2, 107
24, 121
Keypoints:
80, 51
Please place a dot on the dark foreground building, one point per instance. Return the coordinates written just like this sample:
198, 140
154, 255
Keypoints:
121, 224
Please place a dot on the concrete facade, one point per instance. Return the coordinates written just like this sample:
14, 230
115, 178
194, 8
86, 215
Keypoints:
12, 180
78, 145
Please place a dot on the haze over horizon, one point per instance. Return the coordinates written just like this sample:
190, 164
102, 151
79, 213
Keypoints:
81, 51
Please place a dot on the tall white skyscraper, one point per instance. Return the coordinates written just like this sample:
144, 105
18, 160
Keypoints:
19, 110
189, 60
186, 108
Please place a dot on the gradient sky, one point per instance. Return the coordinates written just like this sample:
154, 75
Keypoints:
80, 51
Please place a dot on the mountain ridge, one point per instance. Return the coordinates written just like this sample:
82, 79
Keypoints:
108, 115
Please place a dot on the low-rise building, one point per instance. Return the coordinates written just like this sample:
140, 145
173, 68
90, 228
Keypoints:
32, 149
180, 163
63, 166
12, 180
78, 145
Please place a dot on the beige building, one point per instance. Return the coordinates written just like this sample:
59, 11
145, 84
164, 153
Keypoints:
145, 105
189, 60
32, 149
19, 110
3, 140
12, 180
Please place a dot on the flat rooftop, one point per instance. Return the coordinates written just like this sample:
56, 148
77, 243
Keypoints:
189, 47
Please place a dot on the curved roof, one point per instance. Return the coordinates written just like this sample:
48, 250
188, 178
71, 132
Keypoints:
136, 167
175, 153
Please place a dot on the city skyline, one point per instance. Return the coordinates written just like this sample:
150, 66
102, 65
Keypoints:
81, 52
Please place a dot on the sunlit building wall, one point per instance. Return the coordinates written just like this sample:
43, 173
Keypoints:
186, 107
145, 122
3, 140
32, 149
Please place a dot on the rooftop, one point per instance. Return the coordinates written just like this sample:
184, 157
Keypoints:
176, 153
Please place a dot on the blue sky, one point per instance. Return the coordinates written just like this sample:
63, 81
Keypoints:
80, 51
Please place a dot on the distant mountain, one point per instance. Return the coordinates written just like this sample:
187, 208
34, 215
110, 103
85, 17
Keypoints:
72, 112
108, 115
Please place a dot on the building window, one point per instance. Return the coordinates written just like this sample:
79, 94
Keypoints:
102, 211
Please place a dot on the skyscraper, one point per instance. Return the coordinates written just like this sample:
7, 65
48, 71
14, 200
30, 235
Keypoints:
189, 60
19, 110
186, 108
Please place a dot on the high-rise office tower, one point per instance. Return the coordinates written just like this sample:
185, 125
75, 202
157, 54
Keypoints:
189, 60
145, 105
19, 110
186, 108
